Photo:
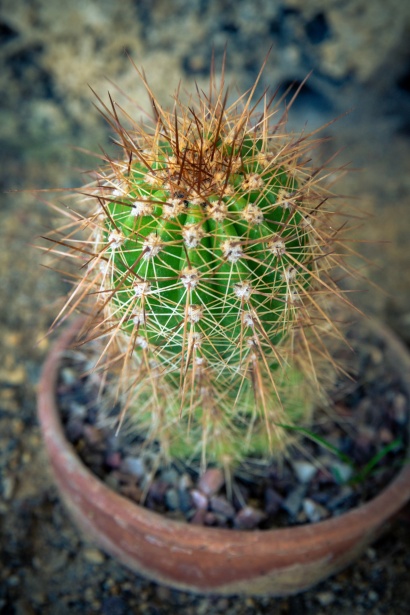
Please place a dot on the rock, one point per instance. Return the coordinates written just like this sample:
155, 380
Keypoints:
199, 517
185, 498
314, 511
157, 491
222, 506
342, 471
94, 556
93, 435
8, 485
131, 491
343, 500
162, 593
400, 408
385, 435
13, 376
210, 519
371, 553
211, 481
185, 501
273, 501
13, 580
248, 518
134, 466
172, 499
325, 598
54, 561
114, 605
293, 502
68, 376
77, 411
170, 476
376, 355
113, 460
304, 471
74, 430
199, 499
185, 482
365, 438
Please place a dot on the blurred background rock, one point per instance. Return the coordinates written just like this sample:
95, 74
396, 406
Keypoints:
51, 51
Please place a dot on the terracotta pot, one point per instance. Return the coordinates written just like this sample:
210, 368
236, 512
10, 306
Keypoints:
210, 560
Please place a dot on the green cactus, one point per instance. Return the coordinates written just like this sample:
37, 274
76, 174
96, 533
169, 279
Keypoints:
209, 267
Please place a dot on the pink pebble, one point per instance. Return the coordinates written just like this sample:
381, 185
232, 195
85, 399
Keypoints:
199, 499
211, 481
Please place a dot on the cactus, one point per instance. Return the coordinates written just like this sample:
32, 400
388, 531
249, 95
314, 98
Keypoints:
209, 250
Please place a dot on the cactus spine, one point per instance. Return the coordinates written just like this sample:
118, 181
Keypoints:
209, 255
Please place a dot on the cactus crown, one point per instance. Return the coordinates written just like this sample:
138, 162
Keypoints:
209, 247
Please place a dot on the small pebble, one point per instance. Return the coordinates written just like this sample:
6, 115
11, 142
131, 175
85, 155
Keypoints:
54, 561
112, 481
273, 501
371, 553
77, 411
376, 355
210, 519
94, 556
69, 376
185, 482
39, 598
342, 471
172, 499
293, 502
304, 471
185, 500
170, 476
248, 518
325, 598
74, 430
400, 404
385, 435
13, 580
199, 499
8, 487
366, 438
314, 511
199, 517
14, 375
163, 593
113, 460
157, 491
343, 500
114, 605
221, 505
93, 435
211, 481
134, 466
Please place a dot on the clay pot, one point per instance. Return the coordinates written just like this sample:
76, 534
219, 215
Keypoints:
209, 560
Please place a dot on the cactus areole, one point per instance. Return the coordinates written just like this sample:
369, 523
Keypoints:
209, 253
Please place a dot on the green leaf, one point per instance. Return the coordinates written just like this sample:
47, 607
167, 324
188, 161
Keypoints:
370, 465
319, 440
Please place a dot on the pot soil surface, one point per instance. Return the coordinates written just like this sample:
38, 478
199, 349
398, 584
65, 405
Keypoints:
367, 425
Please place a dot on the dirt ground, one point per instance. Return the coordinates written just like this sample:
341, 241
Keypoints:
48, 56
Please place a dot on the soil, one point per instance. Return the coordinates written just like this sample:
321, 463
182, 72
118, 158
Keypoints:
367, 425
